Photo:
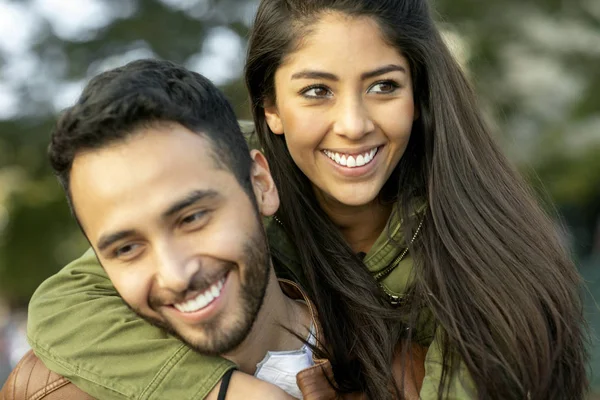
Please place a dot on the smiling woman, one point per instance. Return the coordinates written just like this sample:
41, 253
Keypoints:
498, 292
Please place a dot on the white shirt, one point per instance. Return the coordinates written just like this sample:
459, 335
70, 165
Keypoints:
281, 367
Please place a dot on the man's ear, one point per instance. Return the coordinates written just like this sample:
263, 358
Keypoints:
273, 119
263, 185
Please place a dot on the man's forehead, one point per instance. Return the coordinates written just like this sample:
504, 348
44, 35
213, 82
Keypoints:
151, 164
159, 143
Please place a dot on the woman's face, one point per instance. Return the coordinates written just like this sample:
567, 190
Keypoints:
344, 102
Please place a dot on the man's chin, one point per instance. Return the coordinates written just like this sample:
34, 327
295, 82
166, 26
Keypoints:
215, 347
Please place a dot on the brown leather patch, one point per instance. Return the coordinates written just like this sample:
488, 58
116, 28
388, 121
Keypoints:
31, 380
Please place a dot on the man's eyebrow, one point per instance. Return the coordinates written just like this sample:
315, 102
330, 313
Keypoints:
106, 241
382, 70
190, 199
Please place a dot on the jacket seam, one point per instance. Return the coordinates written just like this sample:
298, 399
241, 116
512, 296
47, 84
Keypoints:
49, 388
164, 370
77, 369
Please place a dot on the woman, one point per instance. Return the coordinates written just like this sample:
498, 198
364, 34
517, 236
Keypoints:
382, 160
487, 262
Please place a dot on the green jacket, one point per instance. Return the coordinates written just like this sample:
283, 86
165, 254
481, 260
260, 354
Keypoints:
81, 328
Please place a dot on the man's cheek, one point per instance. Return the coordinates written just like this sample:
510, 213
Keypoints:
133, 289
227, 244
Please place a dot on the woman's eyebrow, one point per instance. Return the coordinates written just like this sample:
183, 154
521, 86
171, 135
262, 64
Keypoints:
315, 74
382, 70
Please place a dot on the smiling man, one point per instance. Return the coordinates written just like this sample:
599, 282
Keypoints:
161, 182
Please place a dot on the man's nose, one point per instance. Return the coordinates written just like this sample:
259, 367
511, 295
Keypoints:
352, 119
176, 269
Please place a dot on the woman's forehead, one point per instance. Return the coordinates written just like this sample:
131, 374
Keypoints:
345, 44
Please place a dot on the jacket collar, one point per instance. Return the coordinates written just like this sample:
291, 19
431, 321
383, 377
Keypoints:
386, 250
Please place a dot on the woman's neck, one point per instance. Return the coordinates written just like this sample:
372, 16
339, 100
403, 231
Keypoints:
359, 225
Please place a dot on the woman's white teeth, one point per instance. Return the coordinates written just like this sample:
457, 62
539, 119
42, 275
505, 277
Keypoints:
202, 300
352, 161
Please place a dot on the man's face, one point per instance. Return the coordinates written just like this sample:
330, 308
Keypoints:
178, 236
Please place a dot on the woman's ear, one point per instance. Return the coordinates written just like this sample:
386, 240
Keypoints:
273, 119
263, 185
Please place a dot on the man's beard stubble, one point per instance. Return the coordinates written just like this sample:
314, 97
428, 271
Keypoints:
253, 284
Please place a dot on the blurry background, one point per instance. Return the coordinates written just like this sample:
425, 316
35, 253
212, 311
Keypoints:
536, 66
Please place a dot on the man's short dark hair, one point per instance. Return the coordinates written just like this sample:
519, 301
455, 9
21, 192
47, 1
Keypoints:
116, 103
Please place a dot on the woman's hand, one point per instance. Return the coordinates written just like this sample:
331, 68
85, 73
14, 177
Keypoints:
248, 387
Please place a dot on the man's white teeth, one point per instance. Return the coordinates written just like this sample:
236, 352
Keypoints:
202, 300
352, 161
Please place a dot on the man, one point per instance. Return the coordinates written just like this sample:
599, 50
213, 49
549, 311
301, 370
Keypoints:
161, 182
171, 200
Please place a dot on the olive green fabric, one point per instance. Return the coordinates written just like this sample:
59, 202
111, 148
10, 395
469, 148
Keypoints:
80, 328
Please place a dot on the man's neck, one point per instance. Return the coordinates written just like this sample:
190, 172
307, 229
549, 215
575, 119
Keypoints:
269, 332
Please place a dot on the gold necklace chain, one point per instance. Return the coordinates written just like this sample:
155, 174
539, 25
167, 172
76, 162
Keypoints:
382, 274
393, 298
277, 220
386, 271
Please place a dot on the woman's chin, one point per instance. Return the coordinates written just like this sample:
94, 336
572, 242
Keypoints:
348, 198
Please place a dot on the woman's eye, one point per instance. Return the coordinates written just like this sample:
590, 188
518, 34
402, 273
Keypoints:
193, 217
384, 87
316, 92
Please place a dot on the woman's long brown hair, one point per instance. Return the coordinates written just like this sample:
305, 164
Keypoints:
488, 263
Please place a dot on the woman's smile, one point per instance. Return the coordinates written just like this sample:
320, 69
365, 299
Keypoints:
353, 163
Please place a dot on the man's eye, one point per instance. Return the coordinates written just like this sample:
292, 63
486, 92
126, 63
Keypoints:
316, 91
126, 250
384, 87
193, 217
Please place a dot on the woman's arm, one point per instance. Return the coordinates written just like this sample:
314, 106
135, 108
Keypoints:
81, 328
